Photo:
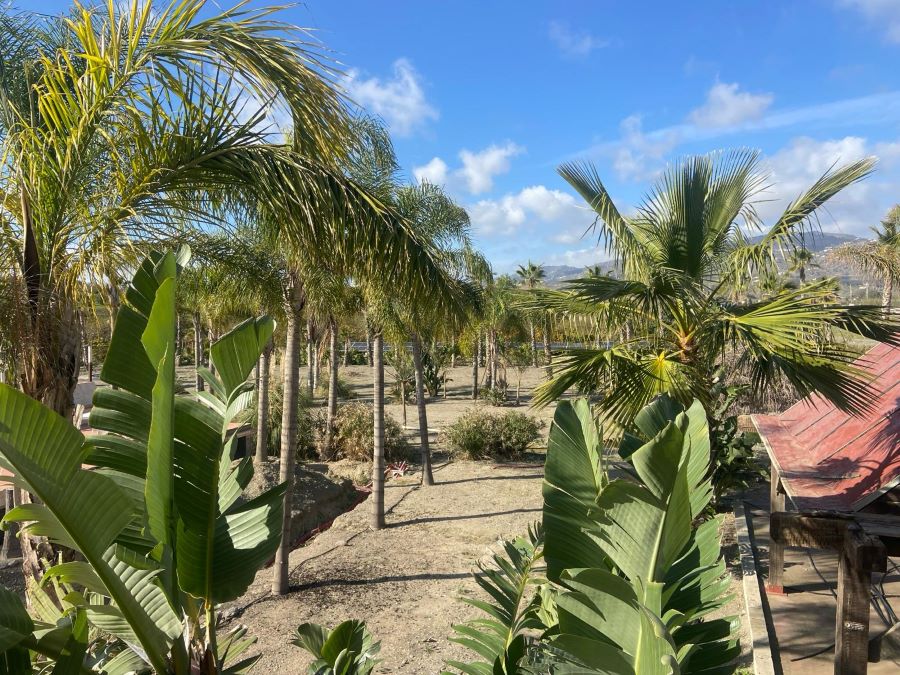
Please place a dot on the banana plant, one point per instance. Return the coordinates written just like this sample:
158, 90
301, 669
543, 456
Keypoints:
646, 577
152, 505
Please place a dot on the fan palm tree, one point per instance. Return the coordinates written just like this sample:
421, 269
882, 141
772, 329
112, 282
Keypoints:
678, 255
800, 259
532, 276
119, 121
880, 258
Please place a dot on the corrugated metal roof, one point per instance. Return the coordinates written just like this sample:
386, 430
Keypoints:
829, 459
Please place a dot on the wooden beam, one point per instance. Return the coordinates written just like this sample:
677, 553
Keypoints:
775, 582
860, 555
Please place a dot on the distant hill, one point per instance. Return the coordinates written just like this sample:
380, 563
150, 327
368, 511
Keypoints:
821, 241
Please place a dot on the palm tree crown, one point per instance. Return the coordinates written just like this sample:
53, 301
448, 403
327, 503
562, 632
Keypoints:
679, 255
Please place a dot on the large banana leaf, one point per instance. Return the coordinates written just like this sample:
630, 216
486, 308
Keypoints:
574, 477
84, 510
640, 609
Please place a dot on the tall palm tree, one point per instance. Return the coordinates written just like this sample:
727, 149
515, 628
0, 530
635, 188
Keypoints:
532, 276
800, 259
438, 219
121, 120
679, 254
880, 258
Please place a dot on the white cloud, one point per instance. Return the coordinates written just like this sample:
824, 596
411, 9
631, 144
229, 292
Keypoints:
727, 106
574, 43
638, 156
534, 206
581, 257
477, 172
479, 168
884, 13
799, 164
400, 99
434, 172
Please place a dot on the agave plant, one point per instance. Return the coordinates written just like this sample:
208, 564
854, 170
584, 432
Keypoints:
152, 506
631, 580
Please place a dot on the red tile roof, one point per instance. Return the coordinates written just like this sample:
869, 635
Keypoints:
832, 460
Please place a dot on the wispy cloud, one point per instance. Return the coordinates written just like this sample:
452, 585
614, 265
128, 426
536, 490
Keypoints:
400, 100
882, 13
727, 106
572, 42
477, 172
870, 110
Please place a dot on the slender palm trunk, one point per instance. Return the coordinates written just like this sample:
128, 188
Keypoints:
427, 476
476, 357
488, 371
332, 383
377, 520
293, 309
548, 355
887, 293
262, 411
198, 351
310, 356
10, 533
347, 348
495, 358
369, 361
533, 344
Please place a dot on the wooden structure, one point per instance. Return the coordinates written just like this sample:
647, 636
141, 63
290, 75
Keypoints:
842, 473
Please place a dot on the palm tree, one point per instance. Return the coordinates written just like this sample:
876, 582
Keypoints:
800, 259
679, 254
440, 221
532, 276
120, 121
880, 258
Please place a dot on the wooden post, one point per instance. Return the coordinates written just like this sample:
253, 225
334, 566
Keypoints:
861, 555
775, 582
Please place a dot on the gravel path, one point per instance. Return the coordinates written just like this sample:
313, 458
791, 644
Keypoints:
404, 581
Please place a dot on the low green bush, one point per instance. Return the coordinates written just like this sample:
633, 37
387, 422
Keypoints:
495, 396
353, 435
479, 434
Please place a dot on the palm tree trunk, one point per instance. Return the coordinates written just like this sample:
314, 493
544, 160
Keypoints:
488, 371
548, 355
369, 361
310, 367
10, 532
427, 476
377, 520
887, 293
453, 351
332, 383
533, 344
476, 357
347, 347
293, 309
262, 411
198, 351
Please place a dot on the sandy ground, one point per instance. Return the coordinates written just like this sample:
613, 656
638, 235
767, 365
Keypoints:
404, 581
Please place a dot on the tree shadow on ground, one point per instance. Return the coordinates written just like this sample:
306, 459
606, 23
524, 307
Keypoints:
472, 516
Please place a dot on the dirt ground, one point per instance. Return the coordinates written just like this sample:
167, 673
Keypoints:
406, 581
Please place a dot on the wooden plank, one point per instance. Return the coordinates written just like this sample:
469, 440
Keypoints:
775, 582
860, 555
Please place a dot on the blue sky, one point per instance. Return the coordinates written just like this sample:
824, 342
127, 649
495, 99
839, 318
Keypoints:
488, 98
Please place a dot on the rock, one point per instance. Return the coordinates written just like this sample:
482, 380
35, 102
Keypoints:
316, 498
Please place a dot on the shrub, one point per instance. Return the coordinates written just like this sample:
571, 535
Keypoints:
353, 435
495, 396
343, 389
479, 434
306, 423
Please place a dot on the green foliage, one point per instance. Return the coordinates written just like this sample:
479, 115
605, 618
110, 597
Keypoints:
400, 363
307, 424
343, 389
161, 535
434, 368
354, 435
641, 605
514, 583
349, 649
493, 396
478, 434
631, 578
